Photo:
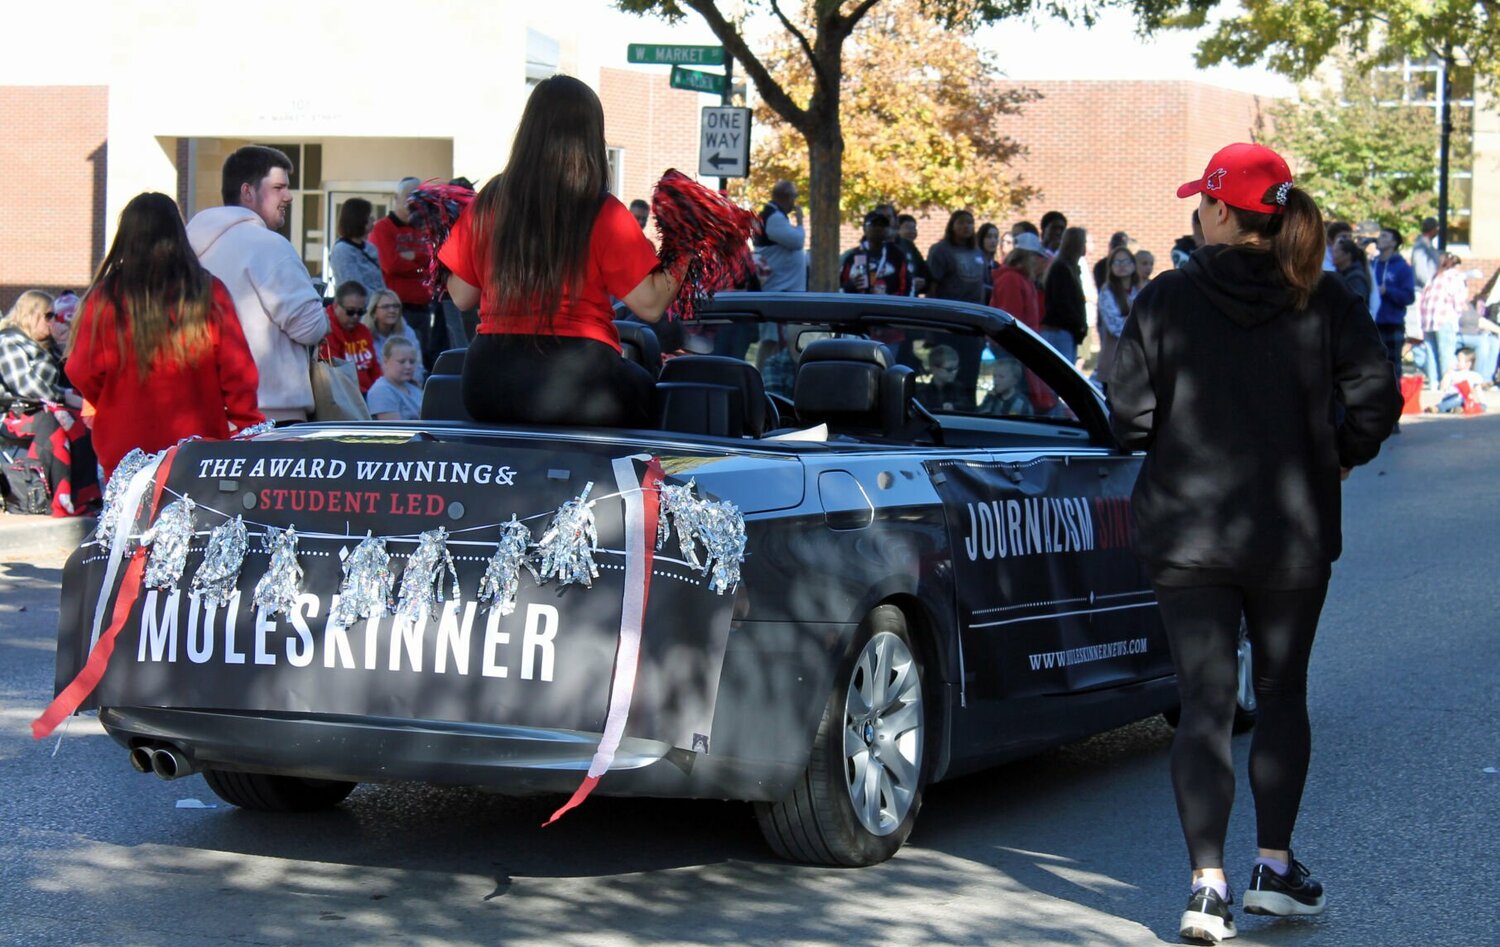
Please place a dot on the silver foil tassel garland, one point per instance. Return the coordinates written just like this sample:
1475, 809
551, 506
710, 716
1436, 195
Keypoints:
168, 538
254, 430
277, 590
422, 582
219, 573
114, 493
566, 550
502, 574
366, 589
715, 525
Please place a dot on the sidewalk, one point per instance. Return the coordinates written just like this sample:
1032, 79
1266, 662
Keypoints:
25, 536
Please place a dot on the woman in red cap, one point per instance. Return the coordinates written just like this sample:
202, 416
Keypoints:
1254, 383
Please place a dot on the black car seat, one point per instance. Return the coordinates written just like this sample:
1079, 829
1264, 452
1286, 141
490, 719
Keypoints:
712, 394
443, 395
853, 387
639, 344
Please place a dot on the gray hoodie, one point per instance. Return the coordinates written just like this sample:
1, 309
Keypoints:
279, 309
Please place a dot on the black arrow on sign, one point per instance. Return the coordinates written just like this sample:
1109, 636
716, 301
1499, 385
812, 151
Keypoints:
719, 161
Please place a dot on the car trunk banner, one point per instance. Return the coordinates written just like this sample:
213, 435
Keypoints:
549, 663
1023, 529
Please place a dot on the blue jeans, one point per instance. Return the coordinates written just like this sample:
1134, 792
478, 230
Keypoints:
1435, 355
1062, 340
1486, 346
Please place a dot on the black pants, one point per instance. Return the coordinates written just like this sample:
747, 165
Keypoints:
554, 381
1202, 624
431, 329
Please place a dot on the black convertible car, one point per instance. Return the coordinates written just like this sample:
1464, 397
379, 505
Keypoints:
876, 543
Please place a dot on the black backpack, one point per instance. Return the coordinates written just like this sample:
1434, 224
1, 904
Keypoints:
26, 486
759, 239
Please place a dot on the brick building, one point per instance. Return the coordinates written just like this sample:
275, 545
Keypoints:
1110, 153
54, 149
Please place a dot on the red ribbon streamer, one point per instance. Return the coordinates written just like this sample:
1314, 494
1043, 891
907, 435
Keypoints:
78, 690
651, 510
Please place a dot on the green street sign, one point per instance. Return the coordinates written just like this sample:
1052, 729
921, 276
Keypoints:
696, 81
652, 53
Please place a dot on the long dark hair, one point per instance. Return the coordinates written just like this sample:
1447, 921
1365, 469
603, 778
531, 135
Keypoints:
1070, 249
1296, 237
548, 197
948, 234
985, 230
1121, 288
162, 295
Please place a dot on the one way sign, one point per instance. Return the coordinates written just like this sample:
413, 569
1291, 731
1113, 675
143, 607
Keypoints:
724, 142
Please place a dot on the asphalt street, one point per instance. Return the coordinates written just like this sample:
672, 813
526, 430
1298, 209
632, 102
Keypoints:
1078, 846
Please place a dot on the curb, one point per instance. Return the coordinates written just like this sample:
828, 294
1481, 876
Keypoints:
32, 535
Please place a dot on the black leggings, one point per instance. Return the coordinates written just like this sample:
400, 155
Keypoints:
1202, 625
554, 380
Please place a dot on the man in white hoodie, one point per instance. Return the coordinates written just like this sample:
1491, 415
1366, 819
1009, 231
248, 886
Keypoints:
280, 311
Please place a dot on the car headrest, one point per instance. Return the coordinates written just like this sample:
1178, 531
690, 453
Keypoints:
450, 362
639, 344
850, 385
730, 373
847, 350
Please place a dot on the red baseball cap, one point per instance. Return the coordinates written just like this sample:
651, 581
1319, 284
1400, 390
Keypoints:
1241, 175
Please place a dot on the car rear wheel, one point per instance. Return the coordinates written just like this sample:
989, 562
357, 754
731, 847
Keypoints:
856, 803
1244, 691
264, 792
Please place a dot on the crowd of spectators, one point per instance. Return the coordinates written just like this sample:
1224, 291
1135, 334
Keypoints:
1041, 273
203, 329
73, 408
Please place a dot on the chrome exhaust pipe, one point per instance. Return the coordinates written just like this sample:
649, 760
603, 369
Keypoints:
140, 759
168, 762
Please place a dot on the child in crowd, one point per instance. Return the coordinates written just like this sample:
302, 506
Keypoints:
1460, 388
394, 397
942, 392
1006, 398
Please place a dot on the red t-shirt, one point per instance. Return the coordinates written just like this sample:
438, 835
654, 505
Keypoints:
356, 344
620, 257
403, 277
171, 401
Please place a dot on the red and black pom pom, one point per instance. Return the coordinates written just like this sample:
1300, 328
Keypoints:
435, 208
702, 236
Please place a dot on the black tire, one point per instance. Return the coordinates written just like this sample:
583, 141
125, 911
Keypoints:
262, 792
1244, 711
817, 823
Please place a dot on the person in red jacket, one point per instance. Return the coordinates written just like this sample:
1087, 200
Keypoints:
157, 347
404, 259
348, 337
1017, 293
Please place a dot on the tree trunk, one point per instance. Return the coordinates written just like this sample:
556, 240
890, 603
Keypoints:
825, 152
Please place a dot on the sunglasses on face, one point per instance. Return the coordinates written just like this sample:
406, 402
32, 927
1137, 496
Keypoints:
50, 315
354, 312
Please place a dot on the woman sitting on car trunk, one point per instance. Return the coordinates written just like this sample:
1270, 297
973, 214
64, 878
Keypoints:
543, 265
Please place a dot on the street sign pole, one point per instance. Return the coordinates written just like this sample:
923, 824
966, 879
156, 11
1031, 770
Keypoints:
727, 99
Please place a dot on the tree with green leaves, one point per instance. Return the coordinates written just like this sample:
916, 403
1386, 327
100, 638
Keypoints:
1361, 156
1295, 38
919, 131
820, 34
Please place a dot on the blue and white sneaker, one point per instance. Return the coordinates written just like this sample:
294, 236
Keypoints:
1285, 895
1207, 918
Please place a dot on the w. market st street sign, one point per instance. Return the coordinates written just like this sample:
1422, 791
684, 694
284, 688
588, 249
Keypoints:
655, 54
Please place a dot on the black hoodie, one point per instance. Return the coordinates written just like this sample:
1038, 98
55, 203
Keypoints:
1246, 408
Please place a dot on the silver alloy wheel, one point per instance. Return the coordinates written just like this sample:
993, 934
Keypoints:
1245, 689
883, 733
